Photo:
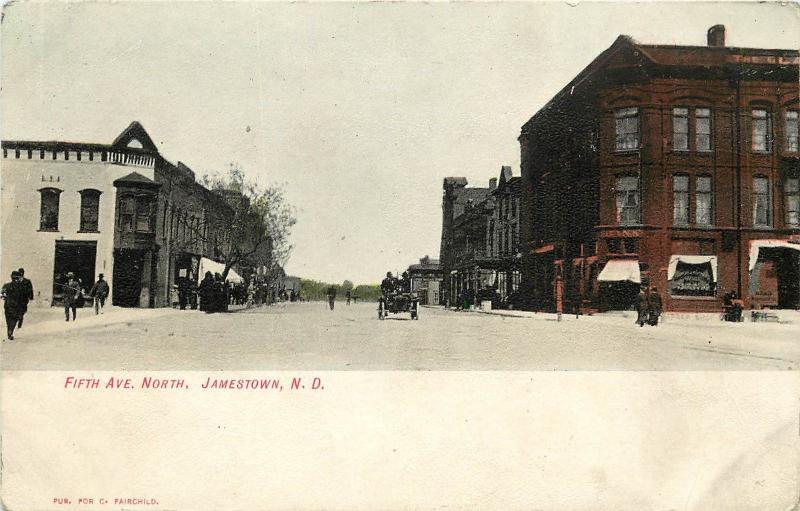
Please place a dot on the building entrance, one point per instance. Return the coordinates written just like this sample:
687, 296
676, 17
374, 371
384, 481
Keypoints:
129, 268
775, 279
77, 257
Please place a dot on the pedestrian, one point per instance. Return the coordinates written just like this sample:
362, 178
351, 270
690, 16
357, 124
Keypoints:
220, 299
206, 292
641, 307
653, 307
331, 296
99, 292
183, 292
72, 295
348, 295
27, 295
12, 294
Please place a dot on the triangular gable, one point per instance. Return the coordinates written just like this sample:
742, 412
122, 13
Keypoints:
505, 174
135, 137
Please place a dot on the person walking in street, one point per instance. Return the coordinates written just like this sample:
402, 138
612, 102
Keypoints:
641, 307
12, 294
99, 292
27, 295
348, 295
653, 307
72, 294
331, 296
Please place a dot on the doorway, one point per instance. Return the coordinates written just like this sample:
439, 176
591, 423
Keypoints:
77, 257
128, 271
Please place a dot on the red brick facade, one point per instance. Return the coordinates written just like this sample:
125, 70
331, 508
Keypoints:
662, 154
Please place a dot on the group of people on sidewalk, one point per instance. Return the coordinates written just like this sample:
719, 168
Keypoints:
75, 295
17, 293
648, 307
213, 293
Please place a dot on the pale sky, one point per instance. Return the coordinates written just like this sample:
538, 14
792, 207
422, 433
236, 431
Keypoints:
359, 109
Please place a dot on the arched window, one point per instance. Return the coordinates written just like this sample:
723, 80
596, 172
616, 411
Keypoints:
51, 198
90, 207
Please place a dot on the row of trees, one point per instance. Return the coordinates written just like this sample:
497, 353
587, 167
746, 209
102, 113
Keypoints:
317, 290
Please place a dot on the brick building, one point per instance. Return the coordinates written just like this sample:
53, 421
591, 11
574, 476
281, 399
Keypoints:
426, 279
119, 209
669, 166
480, 250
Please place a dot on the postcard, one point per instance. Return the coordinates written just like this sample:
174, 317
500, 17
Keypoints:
400, 256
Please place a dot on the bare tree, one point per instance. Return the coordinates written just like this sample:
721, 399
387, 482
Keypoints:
257, 234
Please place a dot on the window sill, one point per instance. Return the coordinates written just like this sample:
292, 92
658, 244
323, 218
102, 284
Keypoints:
89, 231
763, 228
626, 151
761, 153
47, 230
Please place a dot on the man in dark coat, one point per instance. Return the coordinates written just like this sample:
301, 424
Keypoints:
331, 296
206, 292
99, 292
653, 307
72, 292
12, 295
183, 292
388, 284
27, 294
641, 307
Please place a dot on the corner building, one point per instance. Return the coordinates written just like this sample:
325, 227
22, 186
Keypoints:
674, 167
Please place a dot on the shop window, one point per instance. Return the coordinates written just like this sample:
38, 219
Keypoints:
762, 130
791, 194
630, 246
703, 201
680, 129
50, 201
626, 123
761, 202
627, 194
791, 130
693, 280
680, 199
614, 245
90, 206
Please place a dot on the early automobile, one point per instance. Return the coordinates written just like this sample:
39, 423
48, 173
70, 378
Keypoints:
398, 302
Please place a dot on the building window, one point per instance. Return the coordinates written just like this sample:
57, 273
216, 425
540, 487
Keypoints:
127, 213
680, 129
90, 206
614, 246
627, 191
629, 244
137, 213
680, 200
48, 219
762, 131
703, 201
703, 129
761, 202
791, 193
792, 134
627, 128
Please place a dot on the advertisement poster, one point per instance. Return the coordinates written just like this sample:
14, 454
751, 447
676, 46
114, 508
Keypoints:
400, 256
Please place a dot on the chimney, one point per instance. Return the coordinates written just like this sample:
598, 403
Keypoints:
493, 183
716, 36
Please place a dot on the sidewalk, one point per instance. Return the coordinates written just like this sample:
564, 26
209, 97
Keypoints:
45, 320
785, 316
